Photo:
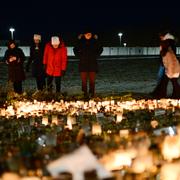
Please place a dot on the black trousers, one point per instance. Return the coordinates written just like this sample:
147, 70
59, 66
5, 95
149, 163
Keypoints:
40, 82
57, 82
18, 87
161, 89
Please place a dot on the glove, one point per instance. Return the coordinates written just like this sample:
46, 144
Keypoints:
63, 73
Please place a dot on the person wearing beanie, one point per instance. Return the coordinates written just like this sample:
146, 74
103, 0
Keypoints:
14, 58
36, 60
55, 62
88, 50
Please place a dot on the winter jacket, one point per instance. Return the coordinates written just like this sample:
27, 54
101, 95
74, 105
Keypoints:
171, 64
88, 51
55, 60
36, 59
170, 61
15, 68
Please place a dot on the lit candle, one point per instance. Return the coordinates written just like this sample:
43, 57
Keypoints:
116, 160
154, 123
10, 176
54, 119
30, 178
3, 112
171, 147
119, 117
45, 120
70, 121
170, 171
96, 129
124, 133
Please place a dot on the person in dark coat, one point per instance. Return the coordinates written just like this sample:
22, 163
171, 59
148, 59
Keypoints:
36, 60
14, 57
88, 50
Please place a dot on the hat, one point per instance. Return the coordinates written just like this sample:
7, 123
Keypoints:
87, 29
11, 42
55, 40
37, 36
168, 36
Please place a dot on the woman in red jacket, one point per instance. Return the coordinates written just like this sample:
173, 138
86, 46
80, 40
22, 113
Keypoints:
55, 61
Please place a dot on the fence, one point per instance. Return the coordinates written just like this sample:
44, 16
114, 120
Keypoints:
107, 51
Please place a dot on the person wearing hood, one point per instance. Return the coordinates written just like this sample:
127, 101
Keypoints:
14, 58
36, 60
88, 50
55, 62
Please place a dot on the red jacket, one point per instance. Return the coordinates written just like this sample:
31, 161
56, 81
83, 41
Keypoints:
55, 60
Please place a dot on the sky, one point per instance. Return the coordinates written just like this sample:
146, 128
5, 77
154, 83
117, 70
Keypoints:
140, 22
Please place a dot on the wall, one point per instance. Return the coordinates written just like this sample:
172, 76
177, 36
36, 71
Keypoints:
108, 51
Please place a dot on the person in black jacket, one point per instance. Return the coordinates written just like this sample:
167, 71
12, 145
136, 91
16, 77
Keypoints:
14, 57
88, 50
36, 60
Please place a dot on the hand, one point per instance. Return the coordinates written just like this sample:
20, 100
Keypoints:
11, 59
63, 72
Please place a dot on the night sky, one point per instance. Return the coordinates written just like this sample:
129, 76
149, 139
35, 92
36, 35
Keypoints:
140, 22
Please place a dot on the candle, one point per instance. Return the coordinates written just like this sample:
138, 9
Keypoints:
124, 133
70, 121
45, 120
30, 178
143, 163
119, 117
116, 160
54, 119
3, 112
96, 129
170, 171
171, 147
154, 123
10, 176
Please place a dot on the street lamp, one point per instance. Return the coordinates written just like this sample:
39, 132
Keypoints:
120, 35
12, 31
125, 44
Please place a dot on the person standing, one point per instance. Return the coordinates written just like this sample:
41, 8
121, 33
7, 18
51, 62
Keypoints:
172, 68
14, 57
55, 62
173, 46
36, 60
88, 50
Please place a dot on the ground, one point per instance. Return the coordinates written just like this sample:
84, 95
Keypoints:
116, 75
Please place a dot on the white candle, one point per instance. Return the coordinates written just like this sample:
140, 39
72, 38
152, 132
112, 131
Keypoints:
45, 120
124, 133
171, 147
170, 171
10, 176
96, 129
3, 112
70, 121
119, 117
30, 178
154, 123
54, 119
